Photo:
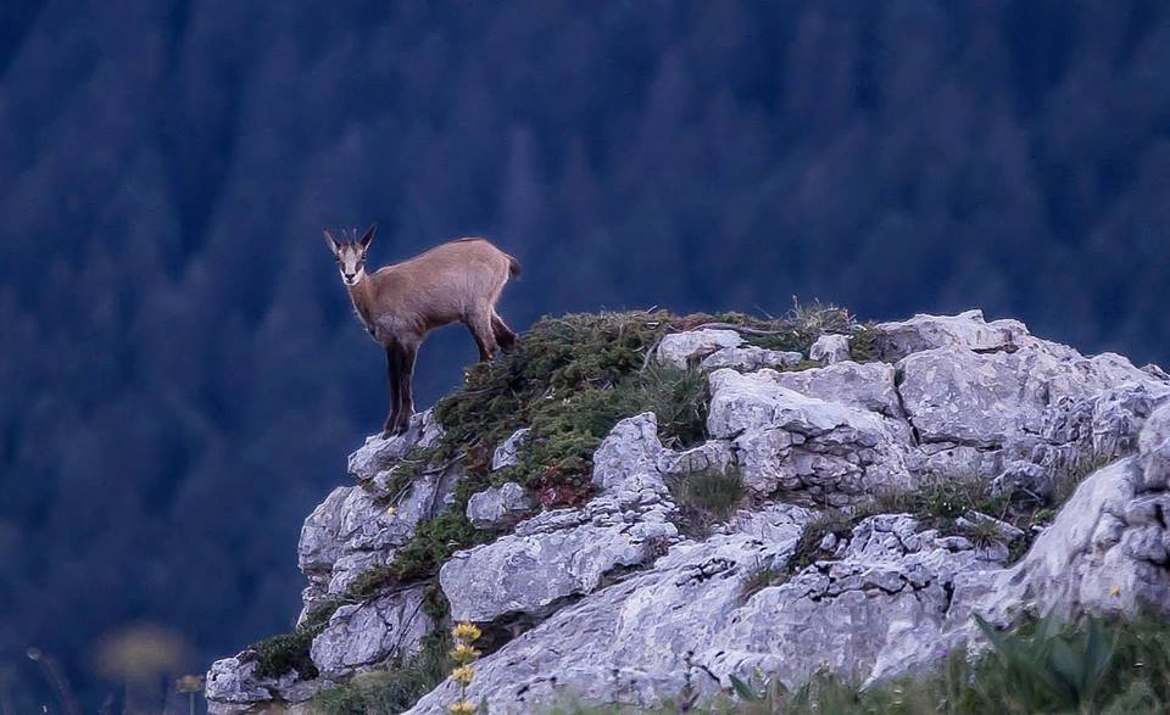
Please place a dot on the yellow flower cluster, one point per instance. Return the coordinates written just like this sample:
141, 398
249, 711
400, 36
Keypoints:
468, 632
463, 675
464, 654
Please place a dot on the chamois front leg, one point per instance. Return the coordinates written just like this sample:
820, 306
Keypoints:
480, 326
407, 354
393, 378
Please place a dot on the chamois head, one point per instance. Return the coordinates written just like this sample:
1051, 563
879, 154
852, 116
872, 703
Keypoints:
350, 253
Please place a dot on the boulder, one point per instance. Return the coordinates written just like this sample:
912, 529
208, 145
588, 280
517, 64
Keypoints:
498, 507
977, 412
365, 634
682, 349
894, 341
788, 441
830, 349
233, 688
867, 386
631, 449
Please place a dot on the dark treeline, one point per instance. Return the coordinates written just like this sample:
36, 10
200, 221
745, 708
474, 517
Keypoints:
182, 376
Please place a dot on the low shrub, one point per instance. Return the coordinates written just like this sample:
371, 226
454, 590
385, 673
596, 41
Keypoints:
287, 652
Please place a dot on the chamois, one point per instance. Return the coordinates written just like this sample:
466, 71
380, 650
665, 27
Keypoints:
399, 304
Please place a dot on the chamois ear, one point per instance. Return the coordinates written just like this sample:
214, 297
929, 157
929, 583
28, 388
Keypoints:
368, 236
331, 242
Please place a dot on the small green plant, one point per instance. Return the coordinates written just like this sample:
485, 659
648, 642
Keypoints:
1052, 668
707, 497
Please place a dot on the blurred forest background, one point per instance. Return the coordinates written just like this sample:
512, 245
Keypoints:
181, 373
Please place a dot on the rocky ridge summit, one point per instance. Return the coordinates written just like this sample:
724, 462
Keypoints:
837, 551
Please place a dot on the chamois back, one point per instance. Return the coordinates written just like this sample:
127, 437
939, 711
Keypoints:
449, 282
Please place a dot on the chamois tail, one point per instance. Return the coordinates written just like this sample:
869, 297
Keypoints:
513, 267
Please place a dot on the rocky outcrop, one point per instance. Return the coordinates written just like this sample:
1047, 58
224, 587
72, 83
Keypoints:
569, 552
355, 529
364, 634
617, 604
628, 643
233, 688
787, 441
498, 507
361, 527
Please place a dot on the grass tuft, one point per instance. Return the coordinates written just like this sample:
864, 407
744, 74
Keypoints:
706, 498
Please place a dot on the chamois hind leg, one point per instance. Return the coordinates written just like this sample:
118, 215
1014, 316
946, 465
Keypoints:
406, 386
504, 335
480, 325
393, 373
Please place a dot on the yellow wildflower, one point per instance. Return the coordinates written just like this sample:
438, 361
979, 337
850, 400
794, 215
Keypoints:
464, 653
461, 707
463, 675
466, 632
